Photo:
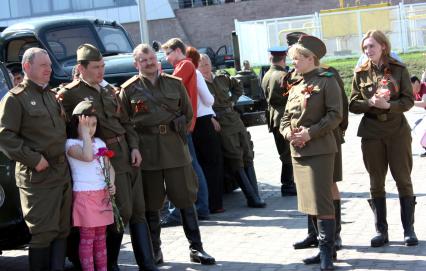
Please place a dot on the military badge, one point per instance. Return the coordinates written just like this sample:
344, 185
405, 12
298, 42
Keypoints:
33, 102
141, 106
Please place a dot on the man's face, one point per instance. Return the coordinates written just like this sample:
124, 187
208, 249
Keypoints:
205, 67
94, 72
146, 63
17, 78
39, 71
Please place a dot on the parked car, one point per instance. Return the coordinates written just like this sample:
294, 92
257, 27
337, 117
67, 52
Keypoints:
220, 58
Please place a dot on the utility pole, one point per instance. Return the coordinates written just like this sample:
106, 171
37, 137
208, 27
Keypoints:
143, 24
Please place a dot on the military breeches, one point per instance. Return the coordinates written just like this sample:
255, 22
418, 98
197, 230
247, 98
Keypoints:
179, 184
394, 151
130, 197
47, 213
237, 149
283, 146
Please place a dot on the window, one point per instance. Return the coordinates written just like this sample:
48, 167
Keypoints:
61, 5
114, 40
81, 4
4, 10
40, 6
103, 3
20, 8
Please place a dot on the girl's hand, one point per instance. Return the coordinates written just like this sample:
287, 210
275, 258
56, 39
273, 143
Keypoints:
83, 125
111, 189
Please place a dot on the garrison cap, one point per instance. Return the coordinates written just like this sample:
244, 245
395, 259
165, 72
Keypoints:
88, 52
278, 50
84, 108
293, 37
313, 44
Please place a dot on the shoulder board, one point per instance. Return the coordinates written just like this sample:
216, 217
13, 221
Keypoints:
171, 76
326, 74
17, 89
72, 84
130, 81
324, 66
393, 61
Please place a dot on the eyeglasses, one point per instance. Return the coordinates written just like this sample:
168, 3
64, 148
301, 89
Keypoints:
169, 52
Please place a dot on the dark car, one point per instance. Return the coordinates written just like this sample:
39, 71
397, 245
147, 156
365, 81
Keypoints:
220, 58
13, 230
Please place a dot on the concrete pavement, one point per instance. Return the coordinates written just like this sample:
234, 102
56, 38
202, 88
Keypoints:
261, 239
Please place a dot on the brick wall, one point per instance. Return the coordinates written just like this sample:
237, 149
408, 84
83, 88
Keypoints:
212, 25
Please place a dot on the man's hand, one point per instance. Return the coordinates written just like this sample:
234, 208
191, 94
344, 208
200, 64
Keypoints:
216, 125
136, 157
42, 164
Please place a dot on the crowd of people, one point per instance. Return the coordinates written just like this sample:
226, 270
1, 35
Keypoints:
109, 157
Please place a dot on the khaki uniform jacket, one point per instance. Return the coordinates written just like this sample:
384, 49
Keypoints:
315, 102
274, 93
381, 123
226, 91
113, 122
31, 125
159, 151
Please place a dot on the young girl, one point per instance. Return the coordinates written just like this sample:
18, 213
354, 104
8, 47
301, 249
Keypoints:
92, 210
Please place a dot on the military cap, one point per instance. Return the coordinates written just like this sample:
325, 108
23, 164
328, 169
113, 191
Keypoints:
84, 108
278, 50
293, 37
88, 52
313, 44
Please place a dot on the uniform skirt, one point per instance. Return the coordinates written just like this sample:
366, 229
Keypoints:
338, 167
314, 176
92, 209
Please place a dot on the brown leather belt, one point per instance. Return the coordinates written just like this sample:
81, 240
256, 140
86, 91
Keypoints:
379, 117
161, 129
223, 111
114, 139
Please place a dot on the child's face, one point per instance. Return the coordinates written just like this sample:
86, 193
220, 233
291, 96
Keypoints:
92, 125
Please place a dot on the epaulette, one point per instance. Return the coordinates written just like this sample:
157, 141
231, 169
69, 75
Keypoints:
326, 74
223, 72
132, 79
171, 76
324, 66
17, 89
72, 84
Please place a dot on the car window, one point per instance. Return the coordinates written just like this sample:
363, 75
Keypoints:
4, 82
16, 49
63, 42
114, 39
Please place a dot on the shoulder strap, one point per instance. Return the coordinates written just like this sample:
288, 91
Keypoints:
157, 102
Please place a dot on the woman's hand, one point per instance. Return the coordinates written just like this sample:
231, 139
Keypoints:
378, 101
299, 137
111, 189
216, 125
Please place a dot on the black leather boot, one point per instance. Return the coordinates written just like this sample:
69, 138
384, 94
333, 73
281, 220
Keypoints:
142, 247
192, 232
57, 254
407, 217
326, 234
153, 220
288, 188
113, 242
253, 200
378, 205
39, 258
310, 240
73, 242
338, 216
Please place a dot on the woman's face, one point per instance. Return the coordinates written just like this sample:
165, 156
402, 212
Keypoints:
416, 86
373, 50
303, 64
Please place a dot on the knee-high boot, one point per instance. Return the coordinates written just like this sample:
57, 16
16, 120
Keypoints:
310, 240
253, 199
407, 217
192, 232
378, 205
39, 258
142, 247
57, 254
338, 216
326, 234
153, 220
113, 242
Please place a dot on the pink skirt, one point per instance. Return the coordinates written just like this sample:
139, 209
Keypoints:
92, 209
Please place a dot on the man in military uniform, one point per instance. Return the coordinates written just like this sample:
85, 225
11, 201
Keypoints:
119, 135
235, 139
276, 98
292, 78
32, 132
160, 109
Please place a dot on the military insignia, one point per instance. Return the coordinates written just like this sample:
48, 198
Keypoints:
141, 107
33, 102
370, 88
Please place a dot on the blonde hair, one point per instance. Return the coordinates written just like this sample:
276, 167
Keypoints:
298, 50
381, 38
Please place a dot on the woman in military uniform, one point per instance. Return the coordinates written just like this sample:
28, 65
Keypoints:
313, 111
382, 91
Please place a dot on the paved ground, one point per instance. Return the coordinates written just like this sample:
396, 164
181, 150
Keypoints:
261, 239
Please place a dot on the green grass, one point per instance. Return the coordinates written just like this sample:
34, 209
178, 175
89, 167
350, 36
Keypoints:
415, 61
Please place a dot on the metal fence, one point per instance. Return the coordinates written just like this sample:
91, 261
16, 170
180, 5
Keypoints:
342, 31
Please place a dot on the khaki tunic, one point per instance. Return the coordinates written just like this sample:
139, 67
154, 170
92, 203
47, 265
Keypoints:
31, 125
321, 112
386, 138
113, 124
235, 139
166, 158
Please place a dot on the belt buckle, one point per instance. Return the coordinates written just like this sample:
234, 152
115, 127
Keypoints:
162, 129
